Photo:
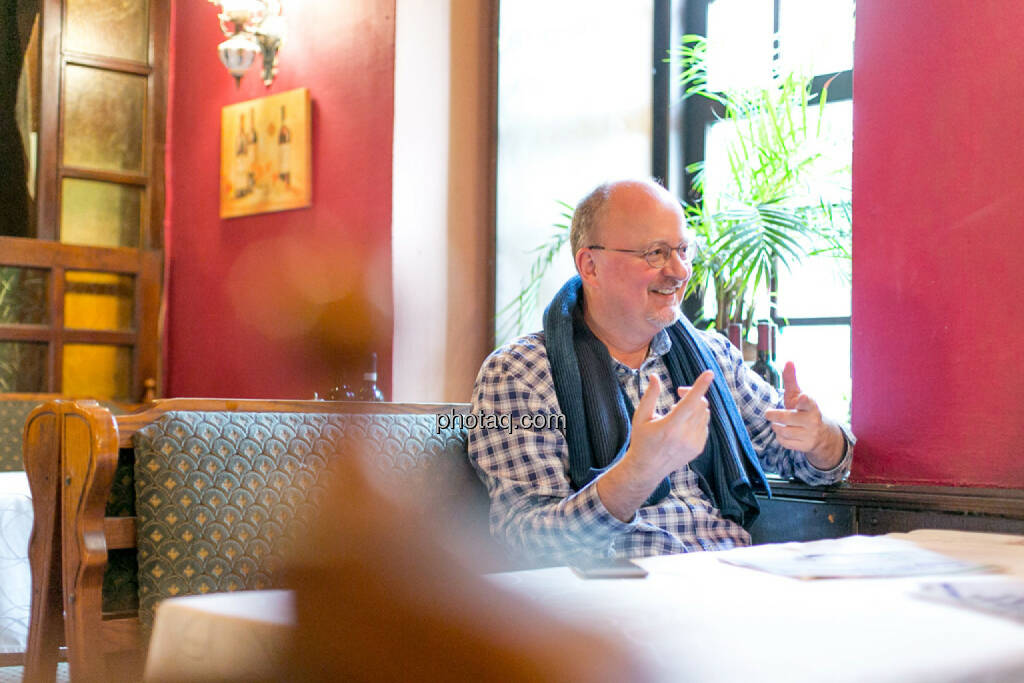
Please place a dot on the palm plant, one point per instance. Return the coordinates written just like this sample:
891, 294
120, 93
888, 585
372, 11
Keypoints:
774, 209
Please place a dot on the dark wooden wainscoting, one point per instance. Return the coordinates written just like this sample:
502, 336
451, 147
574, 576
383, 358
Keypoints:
797, 512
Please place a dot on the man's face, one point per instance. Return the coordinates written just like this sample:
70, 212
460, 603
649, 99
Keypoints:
632, 297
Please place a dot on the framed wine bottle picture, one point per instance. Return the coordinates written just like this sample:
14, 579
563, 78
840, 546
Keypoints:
265, 162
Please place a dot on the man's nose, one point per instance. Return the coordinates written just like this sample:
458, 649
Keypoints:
678, 266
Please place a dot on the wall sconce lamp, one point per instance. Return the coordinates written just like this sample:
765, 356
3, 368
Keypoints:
252, 27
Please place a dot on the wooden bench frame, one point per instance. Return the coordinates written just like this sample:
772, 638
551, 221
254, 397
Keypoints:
71, 453
18, 658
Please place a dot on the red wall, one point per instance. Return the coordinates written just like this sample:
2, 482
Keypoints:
246, 296
938, 197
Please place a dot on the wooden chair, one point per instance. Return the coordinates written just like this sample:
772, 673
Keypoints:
14, 411
73, 452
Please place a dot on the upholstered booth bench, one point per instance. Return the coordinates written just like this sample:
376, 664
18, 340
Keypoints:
192, 496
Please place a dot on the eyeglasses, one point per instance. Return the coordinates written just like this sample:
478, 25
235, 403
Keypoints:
658, 254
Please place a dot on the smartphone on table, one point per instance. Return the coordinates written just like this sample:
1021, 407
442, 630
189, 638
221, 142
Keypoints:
608, 568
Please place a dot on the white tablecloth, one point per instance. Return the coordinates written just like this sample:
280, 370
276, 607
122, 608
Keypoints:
697, 618
15, 576
693, 618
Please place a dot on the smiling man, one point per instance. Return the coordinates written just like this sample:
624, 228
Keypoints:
667, 433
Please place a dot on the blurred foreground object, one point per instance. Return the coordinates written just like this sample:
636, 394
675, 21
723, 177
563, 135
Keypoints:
239, 636
378, 598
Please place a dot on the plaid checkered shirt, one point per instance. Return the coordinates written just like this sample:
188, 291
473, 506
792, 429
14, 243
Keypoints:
534, 509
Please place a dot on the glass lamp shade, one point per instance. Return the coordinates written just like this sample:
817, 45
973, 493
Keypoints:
237, 54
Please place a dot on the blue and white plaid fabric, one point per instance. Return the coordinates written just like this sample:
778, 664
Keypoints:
533, 507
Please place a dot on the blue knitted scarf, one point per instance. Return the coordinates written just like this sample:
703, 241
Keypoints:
598, 415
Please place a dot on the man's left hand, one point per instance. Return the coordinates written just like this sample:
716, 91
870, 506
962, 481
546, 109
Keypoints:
801, 426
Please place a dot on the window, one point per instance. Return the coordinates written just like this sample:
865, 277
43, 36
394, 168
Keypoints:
811, 305
574, 110
574, 101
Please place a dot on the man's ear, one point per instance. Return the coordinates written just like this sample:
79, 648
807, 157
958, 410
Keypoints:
586, 266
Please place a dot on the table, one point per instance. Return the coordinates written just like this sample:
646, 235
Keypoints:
697, 618
693, 618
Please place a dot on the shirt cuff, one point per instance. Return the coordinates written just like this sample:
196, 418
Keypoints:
598, 522
841, 469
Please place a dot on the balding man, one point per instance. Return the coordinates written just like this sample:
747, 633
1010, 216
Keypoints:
666, 431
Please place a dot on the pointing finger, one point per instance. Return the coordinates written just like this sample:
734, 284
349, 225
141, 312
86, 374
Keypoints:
699, 388
791, 389
649, 401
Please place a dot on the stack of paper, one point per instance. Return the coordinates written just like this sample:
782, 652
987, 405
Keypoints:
849, 558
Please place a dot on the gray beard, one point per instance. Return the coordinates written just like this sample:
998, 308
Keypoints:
661, 323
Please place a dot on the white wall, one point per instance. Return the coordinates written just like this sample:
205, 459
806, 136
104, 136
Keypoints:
419, 204
441, 185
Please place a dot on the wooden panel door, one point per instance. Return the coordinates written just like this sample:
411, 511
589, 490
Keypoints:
79, 303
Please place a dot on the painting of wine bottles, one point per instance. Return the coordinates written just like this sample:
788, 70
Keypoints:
265, 155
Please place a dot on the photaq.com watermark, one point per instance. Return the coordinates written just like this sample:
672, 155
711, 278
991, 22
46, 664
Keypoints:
503, 421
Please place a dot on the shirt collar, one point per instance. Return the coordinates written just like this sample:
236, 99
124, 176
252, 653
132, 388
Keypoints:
661, 344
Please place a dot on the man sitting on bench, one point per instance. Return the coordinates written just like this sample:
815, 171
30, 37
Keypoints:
666, 431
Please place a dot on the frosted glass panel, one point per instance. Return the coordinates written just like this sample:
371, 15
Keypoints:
99, 301
103, 119
22, 367
100, 214
574, 110
110, 29
23, 295
97, 370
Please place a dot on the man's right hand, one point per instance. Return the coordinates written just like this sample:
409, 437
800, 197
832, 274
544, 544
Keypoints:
658, 446
662, 445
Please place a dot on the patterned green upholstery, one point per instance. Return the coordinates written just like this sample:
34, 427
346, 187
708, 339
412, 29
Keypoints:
120, 579
219, 495
13, 413
121, 501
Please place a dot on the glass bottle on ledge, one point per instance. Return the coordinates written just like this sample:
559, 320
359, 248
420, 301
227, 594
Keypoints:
342, 391
763, 365
736, 335
368, 390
